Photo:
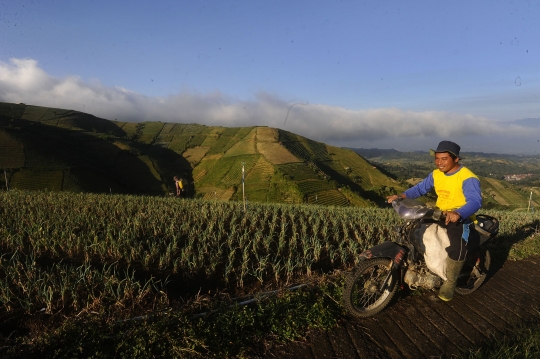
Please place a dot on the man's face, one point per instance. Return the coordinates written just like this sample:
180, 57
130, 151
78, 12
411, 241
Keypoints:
445, 162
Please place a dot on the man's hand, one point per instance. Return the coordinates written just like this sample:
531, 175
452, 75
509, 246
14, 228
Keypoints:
452, 216
393, 197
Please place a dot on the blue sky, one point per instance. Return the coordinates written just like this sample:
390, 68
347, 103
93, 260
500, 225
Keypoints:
361, 73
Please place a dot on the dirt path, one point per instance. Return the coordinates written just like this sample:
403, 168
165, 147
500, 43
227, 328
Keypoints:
424, 327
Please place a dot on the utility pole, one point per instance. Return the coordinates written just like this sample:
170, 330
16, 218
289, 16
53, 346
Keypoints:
243, 188
5, 177
530, 200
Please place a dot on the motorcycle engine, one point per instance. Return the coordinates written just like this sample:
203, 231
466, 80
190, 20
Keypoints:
419, 276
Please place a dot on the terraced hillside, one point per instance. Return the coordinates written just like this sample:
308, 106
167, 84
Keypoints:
65, 150
490, 167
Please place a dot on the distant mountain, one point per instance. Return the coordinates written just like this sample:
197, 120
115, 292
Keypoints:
65, 150
375, 152
386, 154
491, 167
371, 153
528, 122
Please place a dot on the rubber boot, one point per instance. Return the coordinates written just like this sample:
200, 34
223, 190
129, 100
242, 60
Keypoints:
453, 268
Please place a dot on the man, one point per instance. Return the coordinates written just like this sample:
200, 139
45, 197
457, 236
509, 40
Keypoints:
459, 197
178, 182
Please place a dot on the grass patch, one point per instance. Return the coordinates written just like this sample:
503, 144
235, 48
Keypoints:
530, 246
227, 330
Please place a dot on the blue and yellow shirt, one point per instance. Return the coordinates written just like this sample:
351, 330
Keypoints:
459, 191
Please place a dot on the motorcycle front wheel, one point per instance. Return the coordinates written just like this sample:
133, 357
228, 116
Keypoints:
370, 287
474, 272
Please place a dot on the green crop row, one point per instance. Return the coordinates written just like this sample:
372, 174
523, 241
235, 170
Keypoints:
191, 240
48, 238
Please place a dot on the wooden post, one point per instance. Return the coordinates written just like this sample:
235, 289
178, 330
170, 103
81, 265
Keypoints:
243, 189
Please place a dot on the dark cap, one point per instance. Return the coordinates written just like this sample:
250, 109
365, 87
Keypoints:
447, 146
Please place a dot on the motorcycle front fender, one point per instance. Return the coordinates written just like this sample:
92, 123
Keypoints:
386, 249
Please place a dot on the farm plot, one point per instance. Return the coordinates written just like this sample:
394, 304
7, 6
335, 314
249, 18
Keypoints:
37, 113
51, 116
214, 240
212, 137
290, 142
227, 171
298, 171
361, 171
150, 131
37, 180
192, 128
195, 154
257, 182
261, 173
169, 129
245, 146
223, 142
11, 110
206, 164
38, 156
276, 153
331, 197
317, 149
333, 167
216, 194
11, 152
34, 113
179, 143
130, 129
267, 134
309, 187
243, 132
196, 140
507, 196
87, 259
305, 148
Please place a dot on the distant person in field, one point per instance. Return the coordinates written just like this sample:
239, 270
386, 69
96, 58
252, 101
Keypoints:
178, 183
459, 197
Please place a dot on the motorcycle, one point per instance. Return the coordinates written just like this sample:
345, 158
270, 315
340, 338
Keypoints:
385, 267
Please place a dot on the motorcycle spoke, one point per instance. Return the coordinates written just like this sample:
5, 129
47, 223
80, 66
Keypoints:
368, 292
370, 287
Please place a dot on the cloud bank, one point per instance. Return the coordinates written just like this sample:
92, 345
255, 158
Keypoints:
22, 80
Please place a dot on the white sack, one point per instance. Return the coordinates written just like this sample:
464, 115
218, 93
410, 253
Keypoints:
434, 240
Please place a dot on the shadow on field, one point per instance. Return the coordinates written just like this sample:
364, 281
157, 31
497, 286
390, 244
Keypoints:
502, 244
93, 155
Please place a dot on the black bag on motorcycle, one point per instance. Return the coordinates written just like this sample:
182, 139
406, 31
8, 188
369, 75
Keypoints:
486, 226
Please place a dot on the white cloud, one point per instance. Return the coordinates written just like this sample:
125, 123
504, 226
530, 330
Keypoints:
22, 80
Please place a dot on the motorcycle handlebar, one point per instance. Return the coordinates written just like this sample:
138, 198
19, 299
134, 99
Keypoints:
428, 212
438, 215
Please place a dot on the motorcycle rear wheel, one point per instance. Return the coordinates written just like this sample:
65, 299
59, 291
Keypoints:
474, 272
364, 292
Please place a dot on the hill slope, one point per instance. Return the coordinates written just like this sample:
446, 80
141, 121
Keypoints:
64, 150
